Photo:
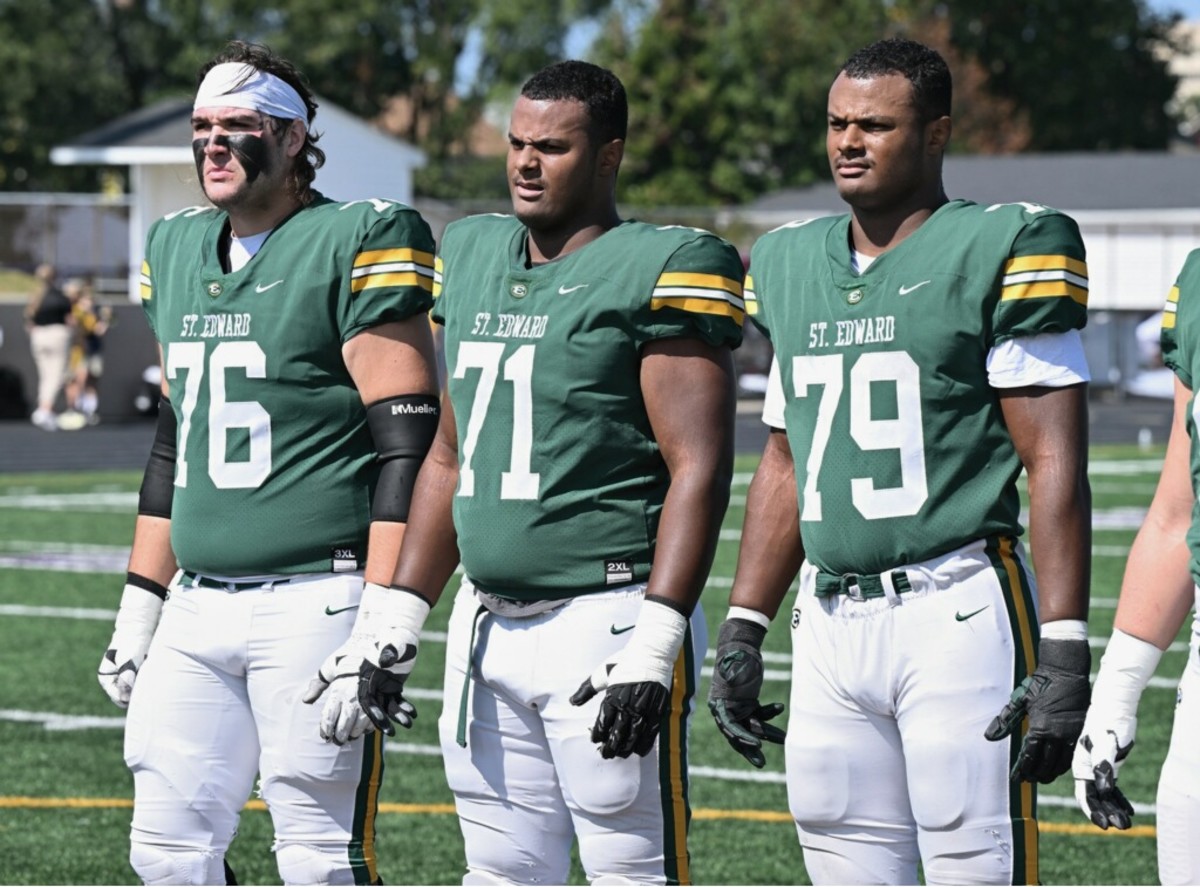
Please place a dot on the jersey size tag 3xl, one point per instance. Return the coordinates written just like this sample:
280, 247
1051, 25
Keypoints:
343, 559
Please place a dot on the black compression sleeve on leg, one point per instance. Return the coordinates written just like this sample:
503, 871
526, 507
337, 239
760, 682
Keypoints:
403, 429
158, 483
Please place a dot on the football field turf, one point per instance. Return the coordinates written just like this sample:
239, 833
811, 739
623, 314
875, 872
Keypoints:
65, 795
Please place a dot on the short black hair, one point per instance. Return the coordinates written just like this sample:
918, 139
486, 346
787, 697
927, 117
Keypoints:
598, 89
923, 67
311, 158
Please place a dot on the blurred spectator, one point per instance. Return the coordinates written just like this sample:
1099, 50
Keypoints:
48, 319
87, 360
1152, 378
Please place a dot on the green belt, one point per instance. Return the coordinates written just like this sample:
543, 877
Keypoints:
195, 580
857, 587
460, 735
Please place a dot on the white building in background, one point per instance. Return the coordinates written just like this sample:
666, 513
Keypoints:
155, 144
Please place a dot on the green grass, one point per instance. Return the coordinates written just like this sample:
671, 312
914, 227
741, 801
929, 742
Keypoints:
49, 664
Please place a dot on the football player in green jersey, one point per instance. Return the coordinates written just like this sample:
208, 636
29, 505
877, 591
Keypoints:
926, 350
1161, 587
580, 472
298, 402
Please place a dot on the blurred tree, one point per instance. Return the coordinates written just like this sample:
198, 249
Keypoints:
71, 66
727, 99
1087, 75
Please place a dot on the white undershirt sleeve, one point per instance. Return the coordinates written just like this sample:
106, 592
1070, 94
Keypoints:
773, 400
1054, 360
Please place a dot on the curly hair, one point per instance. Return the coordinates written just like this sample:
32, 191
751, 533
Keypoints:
923, 67
598, 89
311, 158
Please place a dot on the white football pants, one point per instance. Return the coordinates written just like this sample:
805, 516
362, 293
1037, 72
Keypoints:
530, 778
1179, 785
218, 701
886, 761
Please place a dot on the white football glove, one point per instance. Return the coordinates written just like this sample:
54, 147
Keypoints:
137, 617
1108, 729
638, 683
363, 680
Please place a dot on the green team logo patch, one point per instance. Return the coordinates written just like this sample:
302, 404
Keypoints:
214, 289
519, 290
854, 297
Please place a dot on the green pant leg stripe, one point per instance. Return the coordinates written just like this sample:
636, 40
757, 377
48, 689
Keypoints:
366, 805
672, 767
1022, 617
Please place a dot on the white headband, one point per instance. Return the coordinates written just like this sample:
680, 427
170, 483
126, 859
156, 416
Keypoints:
238, 85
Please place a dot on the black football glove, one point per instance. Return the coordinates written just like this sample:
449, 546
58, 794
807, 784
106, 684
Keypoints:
1096, 765
381, 690
630, 716
736, 684
637, 681
1055, 697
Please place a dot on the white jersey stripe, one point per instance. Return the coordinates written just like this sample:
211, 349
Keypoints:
690, 292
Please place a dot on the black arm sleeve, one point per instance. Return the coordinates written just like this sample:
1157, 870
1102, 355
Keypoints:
403, 428
158, 483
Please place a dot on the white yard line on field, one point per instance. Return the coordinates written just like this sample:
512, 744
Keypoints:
59, 722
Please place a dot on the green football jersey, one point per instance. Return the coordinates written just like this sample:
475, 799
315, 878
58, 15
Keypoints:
899, 443
561, 482
1181, 352
276, 465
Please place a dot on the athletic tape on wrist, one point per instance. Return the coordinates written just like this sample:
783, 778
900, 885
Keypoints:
749, 615
653, 645
393, 608
1065, 630
1125, 670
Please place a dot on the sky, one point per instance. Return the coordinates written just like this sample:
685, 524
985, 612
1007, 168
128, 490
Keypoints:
1189, 8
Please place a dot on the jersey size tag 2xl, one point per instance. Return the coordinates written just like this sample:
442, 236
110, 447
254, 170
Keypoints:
618, 572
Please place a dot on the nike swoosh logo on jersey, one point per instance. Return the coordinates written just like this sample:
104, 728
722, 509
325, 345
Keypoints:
563, 290
262, 289
905, 290
331, 612
613, 628
963, 617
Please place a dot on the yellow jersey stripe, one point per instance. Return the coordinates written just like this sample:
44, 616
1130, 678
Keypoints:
1044, 290
695, 279
750, 296
372, 281
1173, 295
437, 277
1045, 263
375, 256
695, 305
1168, 321
147, 288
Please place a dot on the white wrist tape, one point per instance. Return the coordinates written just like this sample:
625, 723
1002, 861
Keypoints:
1064, 630
653, 646
1126, 668
382, 611
138, 613
750, 616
